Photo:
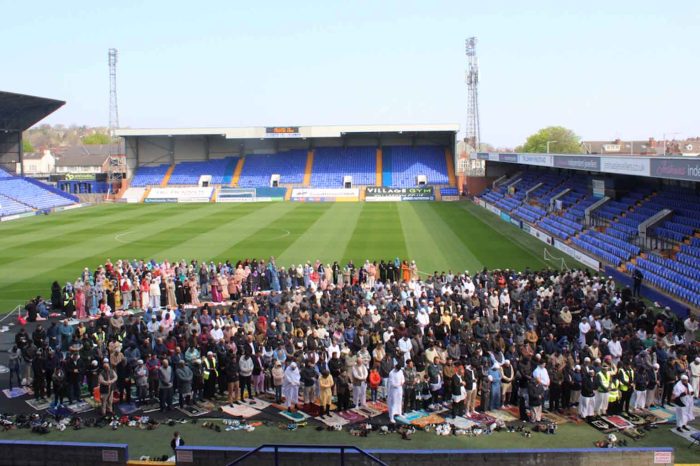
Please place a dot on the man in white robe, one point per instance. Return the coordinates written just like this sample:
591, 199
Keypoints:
395, 398
682, 397
290, 386
359, 384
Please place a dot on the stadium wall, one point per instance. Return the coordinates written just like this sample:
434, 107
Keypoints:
200, 456
62, 453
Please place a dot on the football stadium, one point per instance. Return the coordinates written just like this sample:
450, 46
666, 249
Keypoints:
346, 294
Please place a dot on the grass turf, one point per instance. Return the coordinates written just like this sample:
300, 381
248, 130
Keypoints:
157, 442
439, 236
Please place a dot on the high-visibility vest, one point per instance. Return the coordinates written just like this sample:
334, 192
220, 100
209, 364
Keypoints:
604, 381
209, 366
614, 392
626, 378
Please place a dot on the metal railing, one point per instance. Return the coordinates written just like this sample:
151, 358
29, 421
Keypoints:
277, 447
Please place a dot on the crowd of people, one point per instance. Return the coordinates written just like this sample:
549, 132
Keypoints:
336, 335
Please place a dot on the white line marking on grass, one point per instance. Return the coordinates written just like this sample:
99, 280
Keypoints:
118, 237
284, 235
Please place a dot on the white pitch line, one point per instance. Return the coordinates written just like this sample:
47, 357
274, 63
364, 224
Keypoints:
117, 237
287, 233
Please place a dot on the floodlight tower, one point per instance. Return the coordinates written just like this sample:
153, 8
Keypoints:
113, 107
472, 78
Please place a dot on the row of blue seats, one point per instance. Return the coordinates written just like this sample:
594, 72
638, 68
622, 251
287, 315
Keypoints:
679, 267
603, 254
662, 232
688, 259
668, 274
624, 245
691, 250
678, 227
560, 229
605, 246
667, 285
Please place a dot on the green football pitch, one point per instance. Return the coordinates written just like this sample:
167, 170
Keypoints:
438, 236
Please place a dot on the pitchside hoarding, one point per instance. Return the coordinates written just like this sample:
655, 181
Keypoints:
325, 194
575, 162
385, 194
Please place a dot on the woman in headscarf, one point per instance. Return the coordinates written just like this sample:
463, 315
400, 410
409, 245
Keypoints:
414, 271
80, 300
56, 298
223, 286
170, 293
193, 290
405, 272
290, 387
273, 275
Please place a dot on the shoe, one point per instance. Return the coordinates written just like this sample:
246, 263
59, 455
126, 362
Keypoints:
685, 428
678, 429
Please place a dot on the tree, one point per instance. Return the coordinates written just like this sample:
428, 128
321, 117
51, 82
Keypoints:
96, 138
27, 147
561, 141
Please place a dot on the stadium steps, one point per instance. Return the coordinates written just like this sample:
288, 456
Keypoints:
386, 167
237, 172
229, 170
215, 193
145, 194
363, 192
288, 194
450, 167
167, 176
438, 194
309, 167
379, 167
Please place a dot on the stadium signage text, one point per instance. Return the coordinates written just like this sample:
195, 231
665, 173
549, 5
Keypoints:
325, 194
282, 132
80, 177
536, 159
625, 166
680, 169
381, 193
577, 162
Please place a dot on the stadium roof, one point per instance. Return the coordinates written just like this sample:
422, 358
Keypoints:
19, 112
261, 132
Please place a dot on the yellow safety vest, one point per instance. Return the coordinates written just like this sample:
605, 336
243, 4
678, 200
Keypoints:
209, 366
626, 378
614, 393
604, 381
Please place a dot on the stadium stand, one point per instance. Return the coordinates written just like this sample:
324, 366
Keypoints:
34, 193
405, 163
615, 237
9, 206
149, 176
331, 164
258, 168
188, 173
133, 194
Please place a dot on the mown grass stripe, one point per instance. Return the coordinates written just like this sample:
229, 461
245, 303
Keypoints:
277, 235
328, 235
377, 234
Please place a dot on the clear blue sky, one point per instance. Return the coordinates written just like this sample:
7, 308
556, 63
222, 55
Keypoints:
606, 69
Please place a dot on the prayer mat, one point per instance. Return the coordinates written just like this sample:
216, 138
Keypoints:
574, 418
93, 402
80, 407
482, 418
60, 411
332, 420
207, 405
312, 409
686, 434
297, 416
429, 419
602, 425
193, 410
634, 433
256, 403
127, 409
619, 422
351, 416
411, 416
366, 411
513, 410
635, 419
502, 415
378, 406
39, 405
15, 392
460, 422
269, 397
665, 415
555, 418
240, 411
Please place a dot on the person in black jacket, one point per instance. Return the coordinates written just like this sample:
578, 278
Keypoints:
536, 399
308, 378
523, 377
587, 400
177, 441
459, 392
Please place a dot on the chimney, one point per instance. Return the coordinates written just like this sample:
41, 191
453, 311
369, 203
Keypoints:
617, 141
652, 143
